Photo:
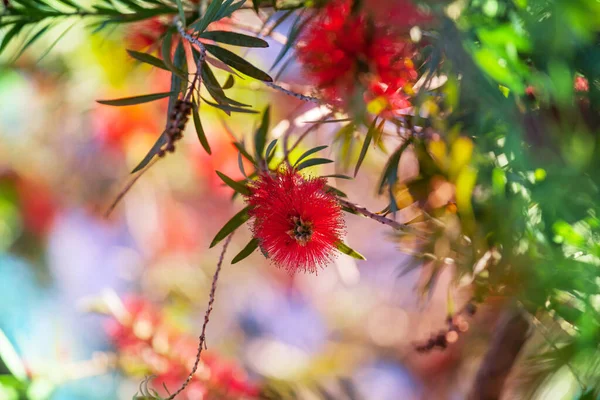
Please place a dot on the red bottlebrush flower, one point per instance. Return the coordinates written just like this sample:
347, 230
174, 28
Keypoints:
145, 33
296, 220
581, 84
340, 49
147, 345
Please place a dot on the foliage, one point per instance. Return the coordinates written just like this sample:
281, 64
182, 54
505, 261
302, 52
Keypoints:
504, 125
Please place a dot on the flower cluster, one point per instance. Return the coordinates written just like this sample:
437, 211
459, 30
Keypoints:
344, 50
296, 220
148, 345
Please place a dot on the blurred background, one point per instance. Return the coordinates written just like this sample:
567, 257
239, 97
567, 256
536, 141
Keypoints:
92, 305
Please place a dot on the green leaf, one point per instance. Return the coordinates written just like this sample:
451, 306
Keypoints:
229, 82
335, 191
312, 162
270, 148
10, 358
128, 101
244, 152
237, 62
31, 40
229, 8
237, 186
295, 31
344, 248
209, 16
260, 136
10, 34
180, 11
246, 251
241, 164
363, 152
390, 171
234, 38
148, 59
200, 130
160, 142
238, 220
227, 108
338, 176
173, 66
214, 88
310, 152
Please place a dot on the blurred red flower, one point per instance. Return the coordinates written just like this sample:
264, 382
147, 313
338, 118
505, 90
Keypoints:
342, 50
581, 84
296, 220
148, 345
116, 127
144, 34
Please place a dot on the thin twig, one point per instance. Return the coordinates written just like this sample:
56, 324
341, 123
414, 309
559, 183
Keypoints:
306, 132
379, 218
289, 92
175, 124
202, 337
127, 187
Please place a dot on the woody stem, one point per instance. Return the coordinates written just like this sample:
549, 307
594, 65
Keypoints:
356, 209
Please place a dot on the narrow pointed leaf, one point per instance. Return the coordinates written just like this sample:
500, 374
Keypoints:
310, 152
200, 130
173, 65
260, 136
244, 152
160, 142
229, 82
32, 40
234, 38
344, 248
209, 16
246, 251
312, 162
229, 109
270, 148
10, 34
180, 11
238, 220
214, 88
128, 101
338, 176
237, 186
241, 164
237, 62
363, 152
148, 59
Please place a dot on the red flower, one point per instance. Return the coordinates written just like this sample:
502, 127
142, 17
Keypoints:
145, 33
147, 345
340, 49
581, 84
297, 221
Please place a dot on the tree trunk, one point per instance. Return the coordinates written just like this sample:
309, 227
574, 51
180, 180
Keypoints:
511, 333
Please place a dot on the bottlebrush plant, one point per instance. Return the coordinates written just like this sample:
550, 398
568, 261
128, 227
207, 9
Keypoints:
487, 96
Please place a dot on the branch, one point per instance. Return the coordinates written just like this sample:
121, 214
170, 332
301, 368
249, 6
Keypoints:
202, 337
299, 96
356, 209
176, 122
511, 333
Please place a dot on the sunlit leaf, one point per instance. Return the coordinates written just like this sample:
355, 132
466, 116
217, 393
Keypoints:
237, 62
344, 248
246, 251
129, 101
234, 38
237, 186
238, 220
